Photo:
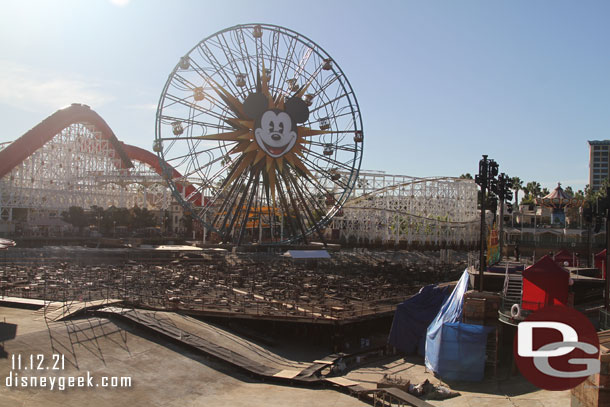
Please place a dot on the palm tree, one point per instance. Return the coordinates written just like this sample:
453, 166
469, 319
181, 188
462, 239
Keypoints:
533, 188
517, 186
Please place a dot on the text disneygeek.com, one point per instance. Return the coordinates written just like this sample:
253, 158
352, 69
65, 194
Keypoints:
20, 364
15, 380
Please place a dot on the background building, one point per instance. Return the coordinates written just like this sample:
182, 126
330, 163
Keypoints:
599, 157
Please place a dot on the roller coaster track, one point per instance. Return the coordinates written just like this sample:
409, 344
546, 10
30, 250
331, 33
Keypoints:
14, 153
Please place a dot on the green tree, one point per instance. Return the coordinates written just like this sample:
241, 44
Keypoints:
532, 191
533, 188
591, 196
142, 218
114, 217
96, 215
517, 186
76, 216
466, 176
186, 221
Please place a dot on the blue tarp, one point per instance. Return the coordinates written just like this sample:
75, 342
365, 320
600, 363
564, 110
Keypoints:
413, 316
307, 254
451, 311
462, 352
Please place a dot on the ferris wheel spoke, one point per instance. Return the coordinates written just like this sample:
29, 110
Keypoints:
305, 205
327, 104
191, 122
309, 200
322, 89
250, 74
304, 60
222, 171
215, 101
283, 76
243, 51
189, 105
248, 208
292, 197
226, 210
314, 182
187, 85
232, 61
328, 175
240, 206
274, 55
190, 153
228, 189
201, 168
343, 147
207, 55
334, 163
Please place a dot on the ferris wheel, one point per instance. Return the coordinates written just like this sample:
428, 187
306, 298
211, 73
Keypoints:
259, 135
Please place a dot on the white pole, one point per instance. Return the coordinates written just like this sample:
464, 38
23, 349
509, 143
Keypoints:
205, 219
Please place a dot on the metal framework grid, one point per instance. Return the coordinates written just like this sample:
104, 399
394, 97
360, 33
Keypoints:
78, 167
394, 209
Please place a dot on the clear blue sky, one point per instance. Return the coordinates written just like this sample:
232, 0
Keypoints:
439, 82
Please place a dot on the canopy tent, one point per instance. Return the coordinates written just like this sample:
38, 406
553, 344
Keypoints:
412, 318
544, 283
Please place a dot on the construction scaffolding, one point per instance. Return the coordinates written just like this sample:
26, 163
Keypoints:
349, 286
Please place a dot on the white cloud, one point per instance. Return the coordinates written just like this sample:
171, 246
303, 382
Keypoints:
145, 106
28, 88
120, 3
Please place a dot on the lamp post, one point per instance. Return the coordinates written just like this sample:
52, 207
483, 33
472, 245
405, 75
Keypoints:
603, 211
488, 170
587, 214
503, 190
99, 218
606, 210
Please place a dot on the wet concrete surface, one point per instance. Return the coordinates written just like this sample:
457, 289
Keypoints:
162, 374
166, 374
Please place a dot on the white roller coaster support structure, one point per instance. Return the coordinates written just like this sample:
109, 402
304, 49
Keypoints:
398, 209
78, 167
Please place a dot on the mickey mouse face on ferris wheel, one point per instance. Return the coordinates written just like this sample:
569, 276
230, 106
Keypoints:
275, 130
